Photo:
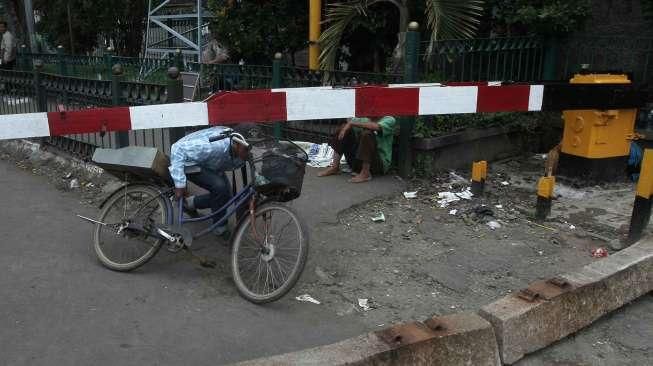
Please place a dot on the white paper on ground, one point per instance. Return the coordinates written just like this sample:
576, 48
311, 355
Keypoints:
445, 198
307, 298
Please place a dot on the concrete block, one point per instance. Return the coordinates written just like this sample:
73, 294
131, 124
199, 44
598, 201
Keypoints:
459, 339
573, 301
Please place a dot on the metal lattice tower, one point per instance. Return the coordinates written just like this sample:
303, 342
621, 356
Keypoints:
176, 24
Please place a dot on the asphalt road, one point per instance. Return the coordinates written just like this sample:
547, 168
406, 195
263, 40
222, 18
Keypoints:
59, 306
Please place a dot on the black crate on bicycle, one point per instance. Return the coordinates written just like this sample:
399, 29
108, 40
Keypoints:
280, 168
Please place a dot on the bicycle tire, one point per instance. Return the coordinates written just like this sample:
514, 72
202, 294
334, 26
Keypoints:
115, 198
298, 267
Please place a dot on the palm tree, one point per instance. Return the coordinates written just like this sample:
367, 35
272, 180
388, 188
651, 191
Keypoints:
445, 19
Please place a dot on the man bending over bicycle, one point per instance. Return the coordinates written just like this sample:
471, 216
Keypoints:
214, 159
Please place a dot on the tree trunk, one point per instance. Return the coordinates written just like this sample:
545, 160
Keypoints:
398, 53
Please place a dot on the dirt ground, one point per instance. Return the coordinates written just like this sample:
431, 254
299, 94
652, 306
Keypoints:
425, 260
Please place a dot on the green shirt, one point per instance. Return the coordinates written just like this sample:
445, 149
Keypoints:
384, 138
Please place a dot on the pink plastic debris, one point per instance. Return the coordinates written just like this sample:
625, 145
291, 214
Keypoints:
599, 252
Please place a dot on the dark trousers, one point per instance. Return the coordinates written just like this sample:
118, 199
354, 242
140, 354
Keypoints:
358, 148
219, 190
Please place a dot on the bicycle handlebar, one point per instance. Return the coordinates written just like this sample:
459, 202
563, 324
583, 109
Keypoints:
219, 137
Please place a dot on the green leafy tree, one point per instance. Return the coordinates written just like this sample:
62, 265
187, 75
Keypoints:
542, 17
255, 30
78, 25
444, 19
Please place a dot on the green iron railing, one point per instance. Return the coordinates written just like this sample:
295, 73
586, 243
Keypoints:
483, 59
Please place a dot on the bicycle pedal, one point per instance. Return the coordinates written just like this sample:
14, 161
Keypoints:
175, 247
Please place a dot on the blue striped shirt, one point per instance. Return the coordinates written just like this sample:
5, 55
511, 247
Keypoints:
196, 150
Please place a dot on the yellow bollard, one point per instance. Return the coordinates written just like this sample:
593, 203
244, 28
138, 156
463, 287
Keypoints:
544, 195
642, 207
596, 143
479, 175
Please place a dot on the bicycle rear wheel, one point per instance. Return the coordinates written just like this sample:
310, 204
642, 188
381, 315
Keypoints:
267, 258
125, 251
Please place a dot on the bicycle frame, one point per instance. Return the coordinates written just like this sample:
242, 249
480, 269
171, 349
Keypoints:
242, 197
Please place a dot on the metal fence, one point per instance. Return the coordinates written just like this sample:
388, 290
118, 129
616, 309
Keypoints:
20, 93
483, 59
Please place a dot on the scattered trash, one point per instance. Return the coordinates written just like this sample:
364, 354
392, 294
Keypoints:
364, 304
307, 298
379, 218
572, 227
68, 175
505, 183
453, 212
599, 253
410, 194
445, 198
494, 225
498, 206
74, 184
319, 155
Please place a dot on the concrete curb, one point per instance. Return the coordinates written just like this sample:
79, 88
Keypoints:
516, 325
458, 339
548, 311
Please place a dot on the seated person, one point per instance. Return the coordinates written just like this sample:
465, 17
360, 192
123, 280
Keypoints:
367, 146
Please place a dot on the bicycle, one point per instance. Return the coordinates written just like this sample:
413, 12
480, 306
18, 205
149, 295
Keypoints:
265, 263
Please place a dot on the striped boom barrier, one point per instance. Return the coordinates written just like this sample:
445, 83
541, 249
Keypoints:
301, 104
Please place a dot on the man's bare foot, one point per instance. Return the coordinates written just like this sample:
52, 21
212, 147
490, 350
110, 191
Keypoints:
330, 171
361, 178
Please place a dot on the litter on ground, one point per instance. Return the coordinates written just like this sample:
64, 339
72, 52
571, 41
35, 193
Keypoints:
445, 198
364, 304
410, 194
494, 225
307, 298
599, 253
379, 218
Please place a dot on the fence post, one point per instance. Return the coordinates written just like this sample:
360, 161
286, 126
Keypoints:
63, 70
175, 92
41, 96
25, 57
108, 62
122, 137
551, 51
411, 66
276, 83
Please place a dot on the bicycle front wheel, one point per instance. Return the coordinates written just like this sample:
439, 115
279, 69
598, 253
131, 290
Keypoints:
269, 255
125, 251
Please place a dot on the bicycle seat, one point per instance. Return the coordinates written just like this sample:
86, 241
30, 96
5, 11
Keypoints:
192, 170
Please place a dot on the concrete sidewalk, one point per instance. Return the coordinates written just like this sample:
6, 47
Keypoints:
324, 197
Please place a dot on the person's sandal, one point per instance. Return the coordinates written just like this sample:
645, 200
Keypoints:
352, 180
